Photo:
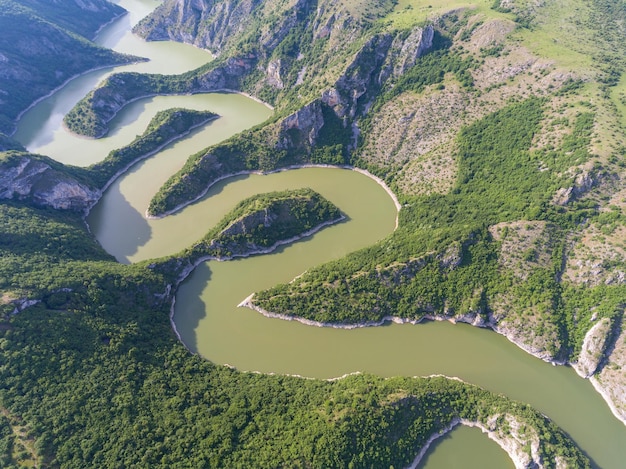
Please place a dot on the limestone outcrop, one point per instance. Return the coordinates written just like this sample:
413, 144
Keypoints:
301, 127
213, 25
593, 349
45, 50
611, 380
26, 177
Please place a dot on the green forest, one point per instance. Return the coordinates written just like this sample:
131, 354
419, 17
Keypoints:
500, 130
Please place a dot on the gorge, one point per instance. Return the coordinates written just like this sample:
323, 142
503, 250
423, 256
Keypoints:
583, 396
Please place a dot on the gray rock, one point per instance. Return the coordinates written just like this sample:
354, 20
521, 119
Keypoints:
25, 178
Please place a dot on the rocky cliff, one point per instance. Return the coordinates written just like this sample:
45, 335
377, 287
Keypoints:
268, 49
206, 24
34, 179
218, 25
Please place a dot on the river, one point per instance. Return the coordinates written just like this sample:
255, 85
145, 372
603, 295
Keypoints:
207, 316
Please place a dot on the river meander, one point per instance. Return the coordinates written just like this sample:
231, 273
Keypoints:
207, 317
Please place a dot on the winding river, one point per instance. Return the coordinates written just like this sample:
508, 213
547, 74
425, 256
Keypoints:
207, 317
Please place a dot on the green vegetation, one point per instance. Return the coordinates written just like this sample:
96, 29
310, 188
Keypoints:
44, 55
264, 220
93, 368
165, 127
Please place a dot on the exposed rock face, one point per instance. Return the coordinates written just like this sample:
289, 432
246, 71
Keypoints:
301, 127
518, 439
582, 184
240, 228
394, 56
491, 33
405, 51
25, 178
358, 77
212, 24
274, 72
531, 331
611, 380
227, 76
526, 246
207, 24
593, 349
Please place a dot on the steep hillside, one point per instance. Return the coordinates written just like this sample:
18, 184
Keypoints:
38, 54
484, 120
83, 17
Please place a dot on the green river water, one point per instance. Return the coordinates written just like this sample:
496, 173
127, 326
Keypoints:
207, 317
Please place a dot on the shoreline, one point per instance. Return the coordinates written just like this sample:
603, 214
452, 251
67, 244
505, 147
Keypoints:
600, 390
379, 181
434, 437
248, 303
154, 95
139, 159
501, 442
66, 82
172, 289
125, 12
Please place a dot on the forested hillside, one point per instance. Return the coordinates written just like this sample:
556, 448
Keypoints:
498, 125
44, 44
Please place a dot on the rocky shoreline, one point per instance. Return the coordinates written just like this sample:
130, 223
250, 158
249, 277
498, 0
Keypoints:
172, 289
249, 303
379, 181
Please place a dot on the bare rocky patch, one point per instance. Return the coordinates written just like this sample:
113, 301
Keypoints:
593, 348
413, 124
612, 378
525, 245
431, 173
597, 257
491, 33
